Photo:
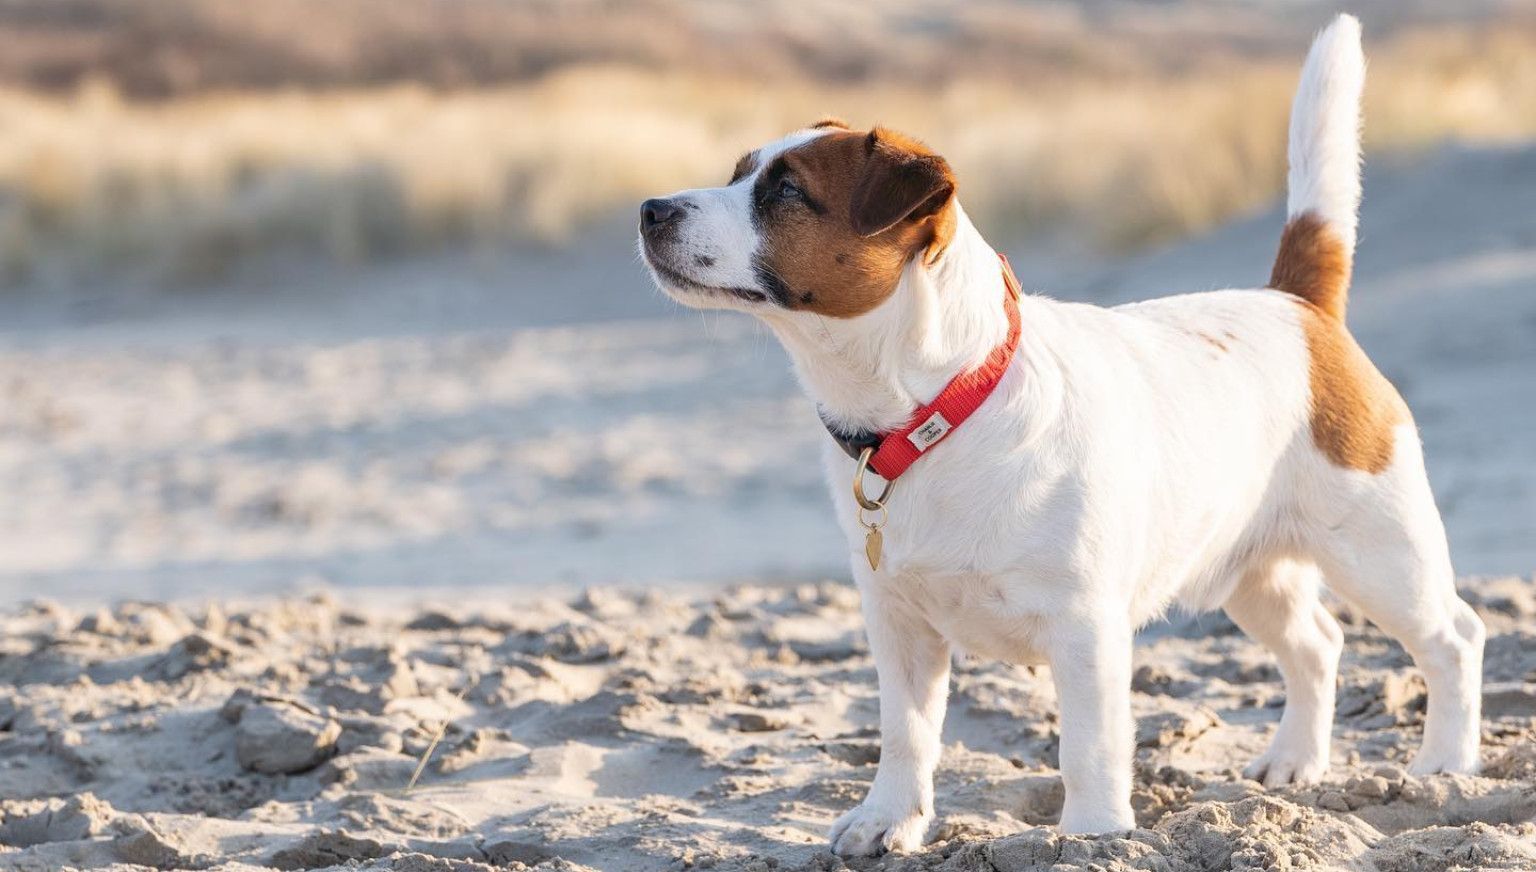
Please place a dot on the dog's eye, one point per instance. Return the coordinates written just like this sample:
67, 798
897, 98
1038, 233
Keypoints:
787, 190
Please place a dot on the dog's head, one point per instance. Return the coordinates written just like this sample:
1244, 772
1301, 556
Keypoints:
823, 220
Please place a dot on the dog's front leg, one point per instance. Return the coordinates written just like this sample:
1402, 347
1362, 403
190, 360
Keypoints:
1090, 661
912, 662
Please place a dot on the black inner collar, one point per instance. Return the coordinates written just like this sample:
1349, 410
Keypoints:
853, 444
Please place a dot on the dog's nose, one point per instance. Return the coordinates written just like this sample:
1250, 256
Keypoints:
657, 213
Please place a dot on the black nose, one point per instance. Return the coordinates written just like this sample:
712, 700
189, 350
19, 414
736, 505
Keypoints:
656, 213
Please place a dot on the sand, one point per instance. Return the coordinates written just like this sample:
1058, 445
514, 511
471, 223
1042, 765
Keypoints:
644, 730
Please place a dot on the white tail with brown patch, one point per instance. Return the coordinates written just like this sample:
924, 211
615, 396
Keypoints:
1324, 181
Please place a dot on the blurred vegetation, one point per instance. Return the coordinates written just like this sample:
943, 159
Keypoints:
182, 138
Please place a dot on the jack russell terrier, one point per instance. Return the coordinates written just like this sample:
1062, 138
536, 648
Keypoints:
1056, 475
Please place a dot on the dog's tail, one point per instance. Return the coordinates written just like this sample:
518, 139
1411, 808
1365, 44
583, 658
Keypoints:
1318, 245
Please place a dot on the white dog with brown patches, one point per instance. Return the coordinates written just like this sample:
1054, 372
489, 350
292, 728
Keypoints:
1216, 450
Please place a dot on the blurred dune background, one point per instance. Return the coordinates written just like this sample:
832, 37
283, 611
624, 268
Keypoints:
343, 292
191, 135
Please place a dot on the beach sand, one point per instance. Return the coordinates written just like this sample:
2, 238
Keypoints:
647, 730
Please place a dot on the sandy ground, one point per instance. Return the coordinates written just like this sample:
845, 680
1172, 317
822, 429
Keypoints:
533, 418
647, 731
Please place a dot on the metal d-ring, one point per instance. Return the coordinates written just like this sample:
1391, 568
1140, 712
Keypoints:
864, 502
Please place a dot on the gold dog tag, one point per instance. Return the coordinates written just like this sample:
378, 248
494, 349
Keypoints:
872, 543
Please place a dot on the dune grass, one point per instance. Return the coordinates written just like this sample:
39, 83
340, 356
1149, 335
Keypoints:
186, 188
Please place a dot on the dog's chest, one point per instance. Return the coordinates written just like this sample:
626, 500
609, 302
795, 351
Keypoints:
983, 614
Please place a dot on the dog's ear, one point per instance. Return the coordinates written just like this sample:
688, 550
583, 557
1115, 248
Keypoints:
901, 180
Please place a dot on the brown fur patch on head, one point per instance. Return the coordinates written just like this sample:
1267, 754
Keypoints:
866, 205
1313, 264
1354, 408
744, 166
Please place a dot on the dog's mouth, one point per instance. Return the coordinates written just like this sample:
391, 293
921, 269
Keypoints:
675, 280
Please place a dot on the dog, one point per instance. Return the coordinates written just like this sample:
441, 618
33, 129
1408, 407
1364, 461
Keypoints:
1232, 449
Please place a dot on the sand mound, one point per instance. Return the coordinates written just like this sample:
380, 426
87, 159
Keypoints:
641, 730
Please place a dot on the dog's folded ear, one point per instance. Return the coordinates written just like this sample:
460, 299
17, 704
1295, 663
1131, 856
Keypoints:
901, 180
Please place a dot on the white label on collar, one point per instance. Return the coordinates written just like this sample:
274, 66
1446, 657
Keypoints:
931, 431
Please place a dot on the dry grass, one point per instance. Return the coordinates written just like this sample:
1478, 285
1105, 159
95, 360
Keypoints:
187, 187
178, 48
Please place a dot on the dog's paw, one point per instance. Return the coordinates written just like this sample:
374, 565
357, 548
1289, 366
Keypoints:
1096, 821
874, 827
1278, 767
1432, 761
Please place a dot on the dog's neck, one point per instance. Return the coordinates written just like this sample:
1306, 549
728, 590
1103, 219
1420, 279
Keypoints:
871, 372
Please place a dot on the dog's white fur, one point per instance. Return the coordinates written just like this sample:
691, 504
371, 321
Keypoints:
1121, 467
1324, 144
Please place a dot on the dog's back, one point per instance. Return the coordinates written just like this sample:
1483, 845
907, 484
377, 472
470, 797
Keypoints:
1278, 423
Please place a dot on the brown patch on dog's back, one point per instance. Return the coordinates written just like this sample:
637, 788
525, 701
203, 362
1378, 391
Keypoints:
1313, 264
1214, 342
1354, 408
872, 201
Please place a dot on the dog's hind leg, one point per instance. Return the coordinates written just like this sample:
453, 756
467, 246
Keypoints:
1276, 603
1391, 560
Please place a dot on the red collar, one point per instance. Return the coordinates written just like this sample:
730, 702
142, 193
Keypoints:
894, 452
